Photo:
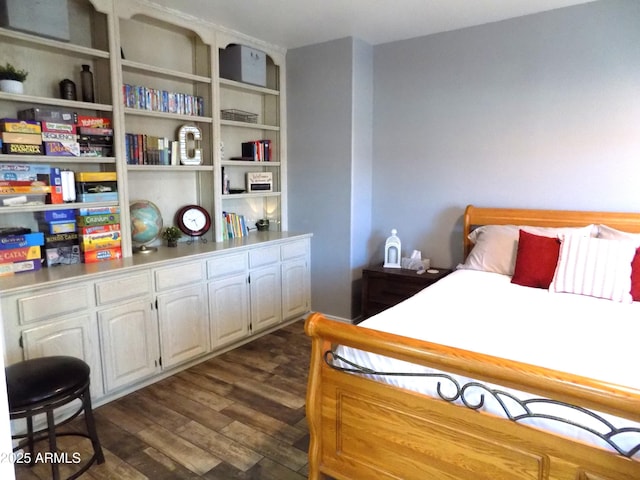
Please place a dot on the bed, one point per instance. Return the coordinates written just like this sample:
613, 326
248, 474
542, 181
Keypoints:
366, 422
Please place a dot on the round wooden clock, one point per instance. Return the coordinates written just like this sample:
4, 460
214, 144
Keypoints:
193, 220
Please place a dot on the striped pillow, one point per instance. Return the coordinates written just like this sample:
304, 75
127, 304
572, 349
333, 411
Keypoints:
595, 267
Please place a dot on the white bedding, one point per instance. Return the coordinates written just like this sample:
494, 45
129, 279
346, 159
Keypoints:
484, 312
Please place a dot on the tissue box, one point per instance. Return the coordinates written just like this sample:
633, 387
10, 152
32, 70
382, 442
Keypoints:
244, 64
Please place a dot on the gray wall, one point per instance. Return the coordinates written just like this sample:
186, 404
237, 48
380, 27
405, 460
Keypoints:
542, 111
319, 117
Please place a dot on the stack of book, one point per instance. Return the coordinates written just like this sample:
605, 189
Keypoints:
20, 250
20, 137
54, 222
155, 100
24, 183
99, 234
257, 150
96, 186
60, 139
95, 141
148, 150
234, 225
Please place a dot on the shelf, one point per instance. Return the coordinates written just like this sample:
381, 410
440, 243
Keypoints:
55, 206
167, 116
248, 163
234, 196
54, 46
52, 159
254, 126
58, 102
169, 168
247, 87
163, 72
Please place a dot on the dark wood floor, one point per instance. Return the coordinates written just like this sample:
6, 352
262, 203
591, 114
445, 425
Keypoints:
240, 415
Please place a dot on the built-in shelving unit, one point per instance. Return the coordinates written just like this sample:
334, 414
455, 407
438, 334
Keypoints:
138, 43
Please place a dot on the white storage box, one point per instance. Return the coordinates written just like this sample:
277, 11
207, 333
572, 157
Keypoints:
49, 18
244, 64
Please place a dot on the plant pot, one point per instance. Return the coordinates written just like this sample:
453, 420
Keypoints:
11, 86
172, 243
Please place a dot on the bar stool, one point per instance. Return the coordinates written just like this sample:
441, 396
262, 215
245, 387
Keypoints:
41, 385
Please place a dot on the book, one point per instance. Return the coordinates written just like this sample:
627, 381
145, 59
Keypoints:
19, 126
26, 138
53, 215
61, 238
20, 171
58, 226
95, 176
19, 254
62, 148
93, 122
99, 229
62, 254
97, 210
31, 189
102, 255
21, 149
20, 267
57, 127
97, 197
100, 219
100, 241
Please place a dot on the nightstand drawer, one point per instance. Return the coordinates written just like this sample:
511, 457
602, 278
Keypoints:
385, 287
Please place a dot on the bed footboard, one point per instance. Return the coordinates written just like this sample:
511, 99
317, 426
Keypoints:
362, 429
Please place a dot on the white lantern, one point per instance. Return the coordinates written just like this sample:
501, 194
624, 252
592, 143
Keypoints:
392, 251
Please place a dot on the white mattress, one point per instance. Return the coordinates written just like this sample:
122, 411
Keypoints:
485, 313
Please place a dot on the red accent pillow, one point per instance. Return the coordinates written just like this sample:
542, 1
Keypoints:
536, 260
635, 277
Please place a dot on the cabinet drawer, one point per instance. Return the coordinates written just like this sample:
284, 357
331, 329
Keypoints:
225, 265
264, 256
172, 277
54, 303
123, 288
293, 250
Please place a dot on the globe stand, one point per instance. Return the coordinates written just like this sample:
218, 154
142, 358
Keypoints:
144, 249
193, 239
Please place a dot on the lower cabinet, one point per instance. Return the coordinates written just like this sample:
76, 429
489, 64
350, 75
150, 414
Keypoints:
129, 344
76, 336
184, 324
295, 288
229, 309
131, 324
265, 293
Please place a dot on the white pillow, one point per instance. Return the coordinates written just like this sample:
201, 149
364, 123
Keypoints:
496, 246
610, 233
595, 267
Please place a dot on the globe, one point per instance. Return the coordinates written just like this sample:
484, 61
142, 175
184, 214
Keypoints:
146, 222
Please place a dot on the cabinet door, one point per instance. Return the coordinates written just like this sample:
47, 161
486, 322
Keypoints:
266, 307
184, 324
229, 309
76, 337
129, 338
295, 288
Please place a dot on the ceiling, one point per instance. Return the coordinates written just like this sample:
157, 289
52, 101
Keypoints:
296, 23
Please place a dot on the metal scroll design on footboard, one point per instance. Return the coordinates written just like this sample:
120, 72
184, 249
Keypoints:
513, 408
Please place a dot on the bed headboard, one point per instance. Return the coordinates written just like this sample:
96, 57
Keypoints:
477, 216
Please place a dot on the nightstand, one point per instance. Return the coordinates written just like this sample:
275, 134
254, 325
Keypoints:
385, 287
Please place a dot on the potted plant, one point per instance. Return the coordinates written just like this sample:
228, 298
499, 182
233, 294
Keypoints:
11, 79
171, 235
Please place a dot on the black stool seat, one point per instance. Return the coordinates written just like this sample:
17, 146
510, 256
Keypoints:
42, 379
40, 386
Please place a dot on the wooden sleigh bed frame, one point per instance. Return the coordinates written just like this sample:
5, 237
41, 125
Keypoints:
362, 429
